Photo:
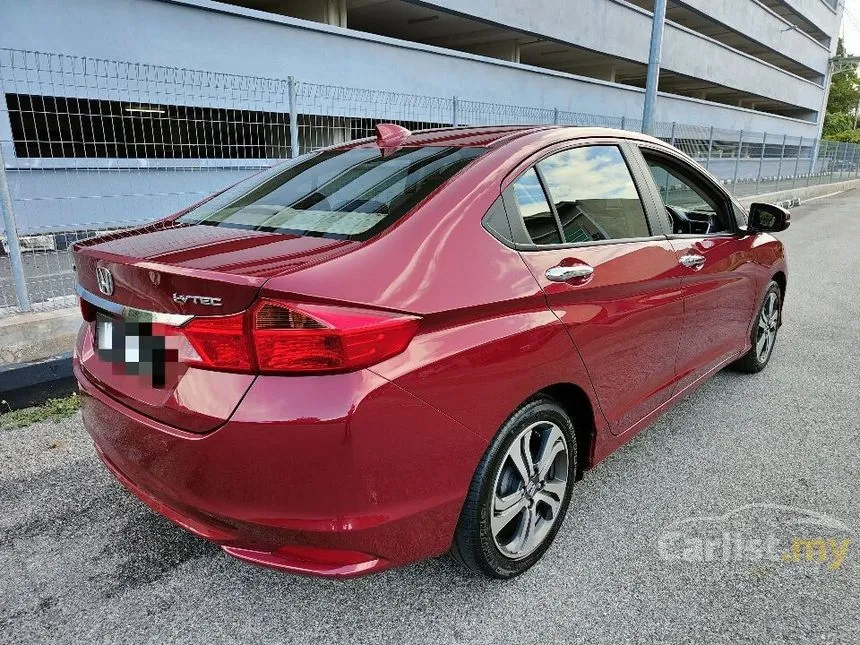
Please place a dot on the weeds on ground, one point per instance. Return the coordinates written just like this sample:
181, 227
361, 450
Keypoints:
51, 410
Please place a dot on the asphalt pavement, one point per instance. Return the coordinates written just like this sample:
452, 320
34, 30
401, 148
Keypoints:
83, 561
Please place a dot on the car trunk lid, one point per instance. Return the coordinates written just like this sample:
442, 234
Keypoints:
163, 275
196, 270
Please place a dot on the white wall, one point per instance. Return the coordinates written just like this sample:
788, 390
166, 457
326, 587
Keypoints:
623, 30
179, 34
761, 24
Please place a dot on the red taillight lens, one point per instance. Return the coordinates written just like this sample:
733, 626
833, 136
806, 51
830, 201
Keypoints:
221, 342
318, 338
289, 338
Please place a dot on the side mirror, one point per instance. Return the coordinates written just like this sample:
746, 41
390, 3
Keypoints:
768, 218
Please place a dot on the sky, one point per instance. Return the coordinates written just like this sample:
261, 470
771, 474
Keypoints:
851, 26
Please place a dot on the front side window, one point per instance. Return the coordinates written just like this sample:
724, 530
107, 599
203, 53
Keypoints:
342, 194
594, 194
690, 208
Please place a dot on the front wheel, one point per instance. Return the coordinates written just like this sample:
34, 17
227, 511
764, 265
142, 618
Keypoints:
764, 332
520, 492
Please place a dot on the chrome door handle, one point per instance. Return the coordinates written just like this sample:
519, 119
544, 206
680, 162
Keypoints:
692, 261
563, 274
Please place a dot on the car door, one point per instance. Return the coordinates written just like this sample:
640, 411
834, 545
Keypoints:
719, 275
610, 277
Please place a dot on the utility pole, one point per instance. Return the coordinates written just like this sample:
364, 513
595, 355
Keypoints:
653, 78
835, 65
856, 110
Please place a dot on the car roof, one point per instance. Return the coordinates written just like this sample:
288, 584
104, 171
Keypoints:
492, 136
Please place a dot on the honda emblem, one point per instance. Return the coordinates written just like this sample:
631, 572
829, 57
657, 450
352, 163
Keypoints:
105, 280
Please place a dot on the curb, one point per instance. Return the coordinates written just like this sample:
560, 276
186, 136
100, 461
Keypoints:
27, 384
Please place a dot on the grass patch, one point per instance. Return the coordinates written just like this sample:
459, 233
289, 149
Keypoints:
51, 410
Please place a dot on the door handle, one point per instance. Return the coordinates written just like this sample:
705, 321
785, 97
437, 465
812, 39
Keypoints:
563, 274
692, 261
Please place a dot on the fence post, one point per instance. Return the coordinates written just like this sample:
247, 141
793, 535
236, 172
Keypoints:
844, 161
853, 159
12, 239
833, 161
623, 122
737, 161
797, 162
760, 161
294, 118
814, 155
454, 109
781, 157
672, 137
555, 116
849, 162
710, 149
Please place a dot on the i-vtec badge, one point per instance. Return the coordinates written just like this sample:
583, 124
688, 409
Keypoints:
196, 300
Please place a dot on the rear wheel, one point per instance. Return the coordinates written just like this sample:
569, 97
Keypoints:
520, 492
764, 332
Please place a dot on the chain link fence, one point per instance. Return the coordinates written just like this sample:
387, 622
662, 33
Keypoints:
91, 145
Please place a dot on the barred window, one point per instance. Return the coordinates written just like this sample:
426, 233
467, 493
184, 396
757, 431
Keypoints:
68, 127
62, 127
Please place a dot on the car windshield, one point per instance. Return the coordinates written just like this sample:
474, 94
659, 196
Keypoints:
342, 194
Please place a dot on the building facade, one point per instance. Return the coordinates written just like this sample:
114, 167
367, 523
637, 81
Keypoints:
94, 87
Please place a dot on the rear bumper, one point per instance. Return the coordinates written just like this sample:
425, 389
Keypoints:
336, 476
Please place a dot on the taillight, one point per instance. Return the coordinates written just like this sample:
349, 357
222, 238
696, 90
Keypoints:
220, 342
288, 338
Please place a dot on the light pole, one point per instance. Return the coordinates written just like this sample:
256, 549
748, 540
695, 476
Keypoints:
653, 77
835, 65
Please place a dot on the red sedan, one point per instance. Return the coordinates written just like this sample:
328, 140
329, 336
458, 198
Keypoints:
417, 343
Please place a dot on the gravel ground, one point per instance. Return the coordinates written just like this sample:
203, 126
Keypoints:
83, 561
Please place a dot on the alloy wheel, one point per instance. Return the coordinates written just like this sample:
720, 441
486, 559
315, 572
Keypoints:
529, 490
768, 323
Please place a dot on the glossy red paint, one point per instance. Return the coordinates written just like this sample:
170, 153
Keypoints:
346, 474
623, 319
718, 299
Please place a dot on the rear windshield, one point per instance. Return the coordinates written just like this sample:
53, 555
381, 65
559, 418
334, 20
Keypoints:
341, 194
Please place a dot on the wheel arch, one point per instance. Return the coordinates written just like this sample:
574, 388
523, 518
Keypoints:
576, 403
780, 278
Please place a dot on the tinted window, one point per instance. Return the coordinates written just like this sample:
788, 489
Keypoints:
343, 194
594, 194
534, 209
690, 207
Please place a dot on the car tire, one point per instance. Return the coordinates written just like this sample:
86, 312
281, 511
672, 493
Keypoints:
765, 327
507, 523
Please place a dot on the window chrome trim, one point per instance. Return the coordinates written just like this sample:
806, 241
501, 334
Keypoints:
575, 245
132, 314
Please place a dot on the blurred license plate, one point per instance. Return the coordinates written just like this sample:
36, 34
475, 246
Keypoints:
132, 347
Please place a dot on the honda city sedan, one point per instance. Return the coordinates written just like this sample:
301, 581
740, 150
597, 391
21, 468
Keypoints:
416, 343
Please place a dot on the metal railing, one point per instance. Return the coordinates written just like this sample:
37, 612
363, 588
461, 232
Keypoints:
90, 145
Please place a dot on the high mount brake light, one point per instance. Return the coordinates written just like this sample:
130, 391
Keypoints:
298, 338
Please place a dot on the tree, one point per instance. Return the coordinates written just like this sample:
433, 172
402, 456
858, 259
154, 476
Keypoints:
843, 99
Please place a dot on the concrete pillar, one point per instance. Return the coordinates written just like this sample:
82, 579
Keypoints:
508, 50
329, 12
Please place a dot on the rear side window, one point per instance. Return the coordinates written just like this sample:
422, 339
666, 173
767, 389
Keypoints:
341, 194
594, 195
535, 210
